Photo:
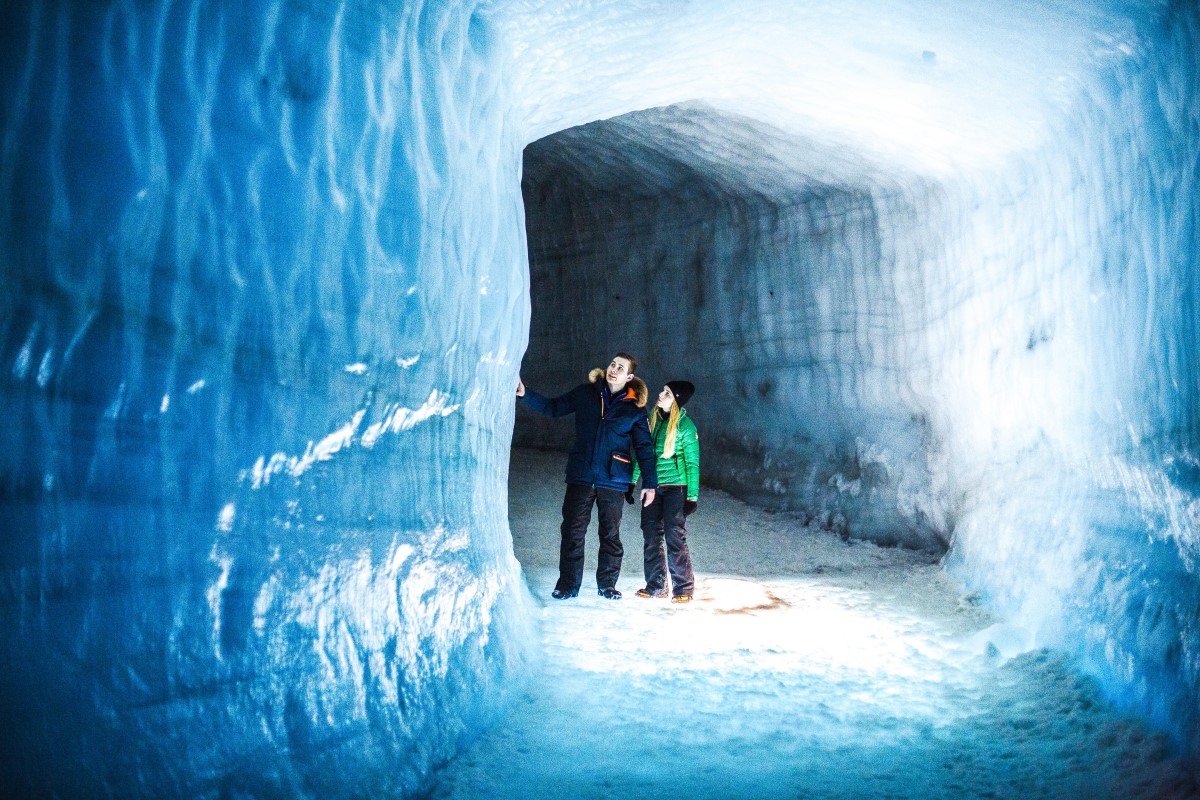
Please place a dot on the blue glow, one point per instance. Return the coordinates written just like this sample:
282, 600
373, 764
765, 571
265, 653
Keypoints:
267, 289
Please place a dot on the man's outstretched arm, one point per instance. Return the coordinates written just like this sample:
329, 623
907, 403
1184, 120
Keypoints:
550, 407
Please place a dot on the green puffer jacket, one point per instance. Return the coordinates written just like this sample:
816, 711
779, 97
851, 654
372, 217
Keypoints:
682, 469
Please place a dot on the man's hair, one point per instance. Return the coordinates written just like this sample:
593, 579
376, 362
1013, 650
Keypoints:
632, 362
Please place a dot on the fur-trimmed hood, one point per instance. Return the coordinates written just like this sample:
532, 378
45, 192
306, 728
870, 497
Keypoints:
636, 385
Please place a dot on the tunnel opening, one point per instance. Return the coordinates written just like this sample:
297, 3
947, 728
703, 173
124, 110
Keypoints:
818, 299
769, 270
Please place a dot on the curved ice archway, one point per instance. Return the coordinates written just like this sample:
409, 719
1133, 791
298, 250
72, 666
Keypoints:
931, 271
268, 294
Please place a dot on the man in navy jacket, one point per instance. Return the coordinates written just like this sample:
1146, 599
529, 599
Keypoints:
611, 430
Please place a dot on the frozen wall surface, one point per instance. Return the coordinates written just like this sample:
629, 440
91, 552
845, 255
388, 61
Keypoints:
750, 276
263, 282
933, 270
932, 265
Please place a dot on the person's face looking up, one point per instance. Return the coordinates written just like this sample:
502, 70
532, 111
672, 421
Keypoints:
665, 398
618, 373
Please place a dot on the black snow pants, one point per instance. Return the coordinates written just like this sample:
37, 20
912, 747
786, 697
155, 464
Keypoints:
577, 515
664, 518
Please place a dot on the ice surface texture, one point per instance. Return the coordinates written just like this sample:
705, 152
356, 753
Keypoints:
794, 301
967, 317
265, 295
263, 276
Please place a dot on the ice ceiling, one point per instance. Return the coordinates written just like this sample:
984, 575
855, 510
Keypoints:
269, 275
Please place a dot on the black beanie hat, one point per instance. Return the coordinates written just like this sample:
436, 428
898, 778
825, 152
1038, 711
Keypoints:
683, 391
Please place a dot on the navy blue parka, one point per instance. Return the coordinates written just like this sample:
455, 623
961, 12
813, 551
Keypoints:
610, 431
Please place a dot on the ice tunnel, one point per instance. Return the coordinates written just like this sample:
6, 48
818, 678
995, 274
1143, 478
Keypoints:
271, 271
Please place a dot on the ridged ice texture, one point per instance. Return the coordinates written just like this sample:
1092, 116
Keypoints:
263, 284
1080, 509
988, 336
264, 293
789, 298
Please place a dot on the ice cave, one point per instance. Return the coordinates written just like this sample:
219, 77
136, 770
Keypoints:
270, 512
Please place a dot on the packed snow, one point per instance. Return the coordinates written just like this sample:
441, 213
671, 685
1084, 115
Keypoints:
807, 666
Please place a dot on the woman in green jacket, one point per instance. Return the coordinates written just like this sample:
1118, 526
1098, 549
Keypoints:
677, 447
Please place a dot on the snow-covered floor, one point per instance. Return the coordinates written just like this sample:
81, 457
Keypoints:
806, 667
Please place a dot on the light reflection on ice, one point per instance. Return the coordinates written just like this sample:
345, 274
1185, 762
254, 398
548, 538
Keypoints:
216, 591
396, 418
225, 521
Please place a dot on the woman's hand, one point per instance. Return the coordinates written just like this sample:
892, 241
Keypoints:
520, 387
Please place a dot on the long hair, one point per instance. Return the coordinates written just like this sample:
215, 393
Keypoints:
672, 427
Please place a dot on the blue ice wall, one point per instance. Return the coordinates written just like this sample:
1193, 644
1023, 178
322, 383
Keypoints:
263, 285
1074, 365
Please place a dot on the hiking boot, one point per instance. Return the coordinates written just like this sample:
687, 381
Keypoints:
564, 594
645, 592
681, 598
609, 593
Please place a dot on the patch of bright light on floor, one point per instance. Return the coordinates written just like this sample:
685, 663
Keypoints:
778, 637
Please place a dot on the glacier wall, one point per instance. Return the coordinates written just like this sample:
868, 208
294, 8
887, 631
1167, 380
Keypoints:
263, 283
996, 352
1078, 461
